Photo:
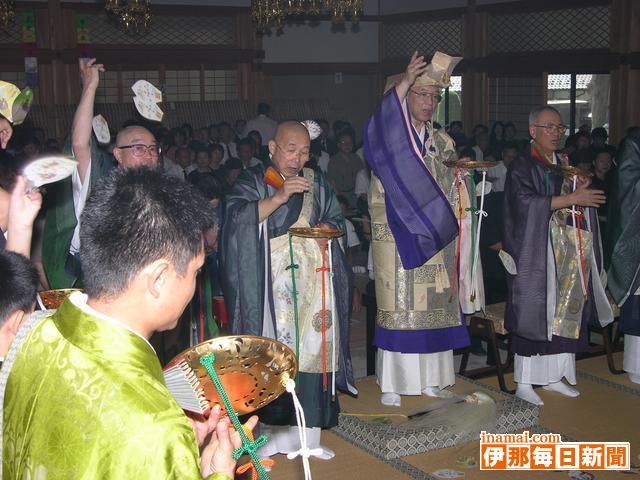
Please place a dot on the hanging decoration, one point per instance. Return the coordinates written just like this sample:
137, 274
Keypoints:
133, 15
29, 41
7, 13
268, 14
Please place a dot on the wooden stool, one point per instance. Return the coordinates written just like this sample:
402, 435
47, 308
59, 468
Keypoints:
486, 326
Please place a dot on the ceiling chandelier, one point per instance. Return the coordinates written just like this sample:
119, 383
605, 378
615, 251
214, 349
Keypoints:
269, 14
7, 13
133, 15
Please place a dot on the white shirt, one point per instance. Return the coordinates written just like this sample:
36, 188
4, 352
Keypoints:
497, 176
173, 169
263, 124
228, 148
80, 191
252, 163
323, 161
362, 182
351, 235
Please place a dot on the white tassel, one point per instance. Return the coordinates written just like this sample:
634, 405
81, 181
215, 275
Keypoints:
334, 319
305, 452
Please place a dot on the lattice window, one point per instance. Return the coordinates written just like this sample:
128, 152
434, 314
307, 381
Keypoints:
512, 98
182, 85
13, 33
17, 78
567, 29
107, 91
220, 85
166, 30
402, 39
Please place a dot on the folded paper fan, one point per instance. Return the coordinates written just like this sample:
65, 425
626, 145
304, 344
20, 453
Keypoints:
101, 129
146, 100
273, 178
48, 170
14, 104
253, 371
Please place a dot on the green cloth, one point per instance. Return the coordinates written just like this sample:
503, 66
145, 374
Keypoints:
86, 399
60, 222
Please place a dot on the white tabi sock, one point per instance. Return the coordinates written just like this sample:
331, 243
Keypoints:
437, 392
562, 388
634, 378
525, 392
390, 399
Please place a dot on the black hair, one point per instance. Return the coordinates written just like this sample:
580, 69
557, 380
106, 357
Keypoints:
510, 146
599, 132
202, 149
215, 146
468, 152
456, 122
342, 200
209, 186
133, 217
18, 284
598, 151
263, 109
232, 163
246, 141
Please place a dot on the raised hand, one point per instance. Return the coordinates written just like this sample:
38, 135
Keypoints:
90, 73
417, 66
290, 186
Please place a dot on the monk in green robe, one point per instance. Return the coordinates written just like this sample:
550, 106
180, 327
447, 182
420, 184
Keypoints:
85, 396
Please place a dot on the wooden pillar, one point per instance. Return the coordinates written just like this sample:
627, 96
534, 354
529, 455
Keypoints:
475, 85
625, 80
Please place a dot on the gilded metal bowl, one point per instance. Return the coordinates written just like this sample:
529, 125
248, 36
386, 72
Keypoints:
570, 171
52, 299
315, 232
252, 370
470, 164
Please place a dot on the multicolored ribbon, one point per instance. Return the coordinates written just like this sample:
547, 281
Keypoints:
249, 446
458, 181
323, 313
293, 266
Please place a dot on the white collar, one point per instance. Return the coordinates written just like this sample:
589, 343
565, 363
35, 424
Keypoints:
79, 300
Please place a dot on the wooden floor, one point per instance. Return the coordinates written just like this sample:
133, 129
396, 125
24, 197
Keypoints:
608, 409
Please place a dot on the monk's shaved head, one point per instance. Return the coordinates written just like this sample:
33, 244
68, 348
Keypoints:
286, 128
129, 133
290, 148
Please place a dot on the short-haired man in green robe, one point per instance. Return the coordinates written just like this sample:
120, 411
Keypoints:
85, 396
135, 146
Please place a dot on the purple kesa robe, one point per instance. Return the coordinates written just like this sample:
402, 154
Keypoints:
414, 229
527, 212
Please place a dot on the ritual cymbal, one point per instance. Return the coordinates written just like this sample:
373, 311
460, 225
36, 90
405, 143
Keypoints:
252, 370
52, 299
470, 164
315, 232
570, 171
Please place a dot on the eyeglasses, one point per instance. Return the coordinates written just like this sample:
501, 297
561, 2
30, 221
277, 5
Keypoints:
434, 97
292, 152
552, 129
139, 149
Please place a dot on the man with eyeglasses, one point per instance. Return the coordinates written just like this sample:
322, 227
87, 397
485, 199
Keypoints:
259, 259
547, 310
135, 146
415, 222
